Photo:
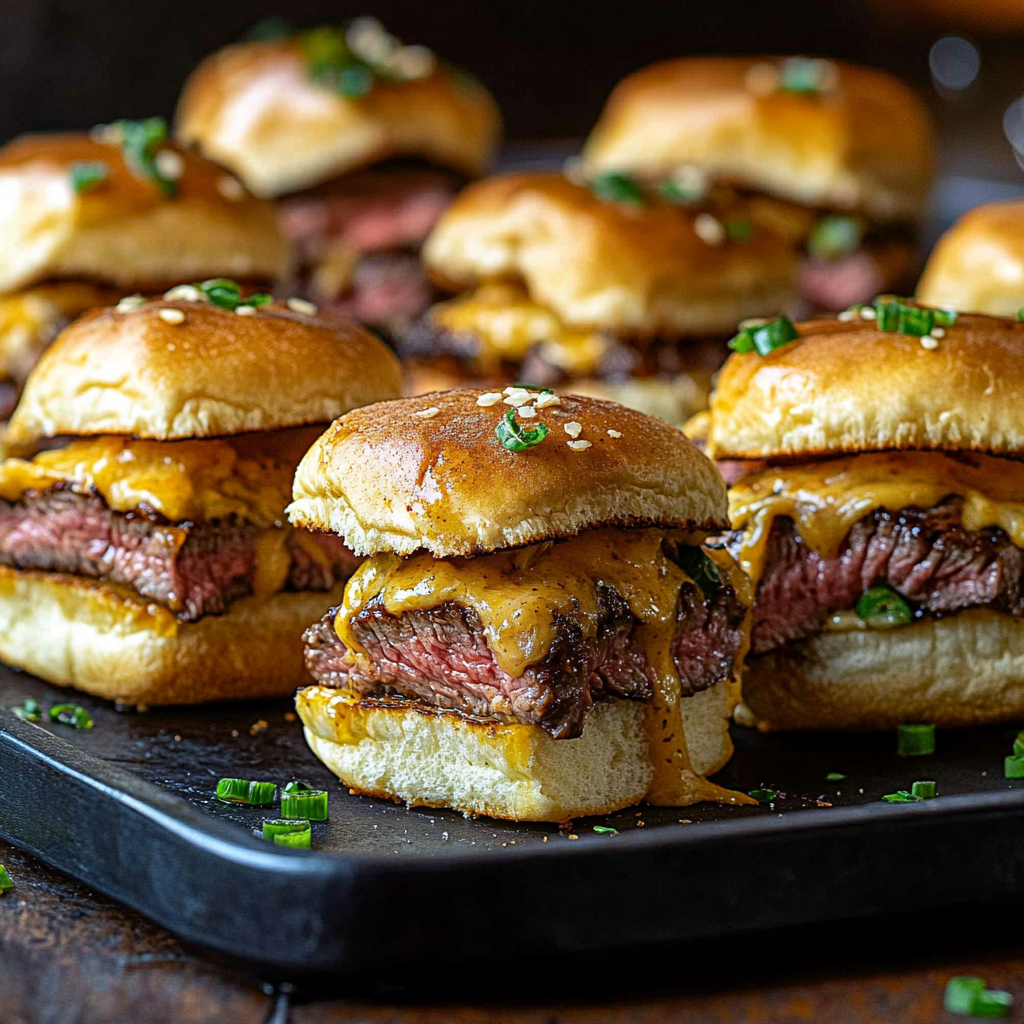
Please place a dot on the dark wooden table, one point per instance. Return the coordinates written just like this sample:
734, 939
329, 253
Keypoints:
69, 955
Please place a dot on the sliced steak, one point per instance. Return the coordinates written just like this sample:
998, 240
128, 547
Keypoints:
924, 555
440, 656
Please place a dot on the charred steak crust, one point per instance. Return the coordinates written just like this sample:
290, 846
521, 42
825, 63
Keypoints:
440, 656
192, 569
925, 555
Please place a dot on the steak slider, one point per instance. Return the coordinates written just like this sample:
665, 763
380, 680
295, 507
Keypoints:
148, 560
85, 218
880, 517
835, 156
606, 288
538, 630
363, 142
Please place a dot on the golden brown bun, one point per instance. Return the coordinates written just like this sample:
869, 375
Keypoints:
108, 642
125, 232
634, 270
847, 387
978, 264
864, 145
215, 373
387, 479
254, 108
965, 669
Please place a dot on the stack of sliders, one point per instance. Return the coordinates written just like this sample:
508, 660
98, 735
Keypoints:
85, 218
614, 290
538, 630
978, 264
362, 141
879, 511
835, 156
148, 559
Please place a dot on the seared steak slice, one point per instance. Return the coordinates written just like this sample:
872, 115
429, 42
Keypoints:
924, 555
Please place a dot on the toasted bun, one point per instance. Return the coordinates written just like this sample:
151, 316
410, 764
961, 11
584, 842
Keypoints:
634, 270
978, 264
124, 231
254, 108
864, 144
387, 479
848, 387
214, 373
965, 669
100, 639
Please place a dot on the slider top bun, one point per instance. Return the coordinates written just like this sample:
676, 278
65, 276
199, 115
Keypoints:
978, 264
847, 387
428, 473
257, 109
638, 269
124, 230
861, 141
129, 371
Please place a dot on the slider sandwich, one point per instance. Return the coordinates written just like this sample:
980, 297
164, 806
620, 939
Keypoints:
85, 218
600, 286
835, 156
148, 559
539, 630
361, 140
879, 512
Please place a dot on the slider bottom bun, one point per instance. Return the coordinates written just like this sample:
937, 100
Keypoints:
966, 669
428, 757
107, 641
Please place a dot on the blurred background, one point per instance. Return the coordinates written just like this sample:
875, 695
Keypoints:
72, 64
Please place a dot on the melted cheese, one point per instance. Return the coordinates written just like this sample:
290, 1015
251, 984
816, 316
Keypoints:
506, 324
518, 596
181, 480
825, 499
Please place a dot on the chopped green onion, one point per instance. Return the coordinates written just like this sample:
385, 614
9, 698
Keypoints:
677, 193
805, 75
299, 787
259, 299
71, 714
1018, 744
604, 830
1020, 314
615, 187
6, 885
882, 608
30, 711
514, 436
88, 174
900, 797
309, 804
697, 564
284, 832
331, 62
140, 141
1013, 767
222, 292
739, 230
915, 739
991, 1003
893, 314
533, 387
242, 791
946, 317
763, 796
960, 993
834, 237
766, 338
923, 790
834, 777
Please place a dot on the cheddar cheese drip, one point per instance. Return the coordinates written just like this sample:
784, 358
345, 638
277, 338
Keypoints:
825, 499
518, 596
180, 480
507, 324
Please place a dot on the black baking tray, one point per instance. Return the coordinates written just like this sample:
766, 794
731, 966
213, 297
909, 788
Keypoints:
128, 808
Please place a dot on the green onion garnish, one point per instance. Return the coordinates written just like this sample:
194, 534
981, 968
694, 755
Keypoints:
604, 830
1018, 744
88, 174
915, 739
834, 777
766, 338
514, 436
834, 237
739, 230
284, 832
763, 796
805, 75
991, 1003
697, 564
968, 996
615, 187
1020, 314
882, 608
533, 387
893, 314
140, 142
221, 291
30, 711
900, 797
242, 791
298, 787
945, 317
677, 193
71, 714
6, 885
1013, 767
923, 790
309, 804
